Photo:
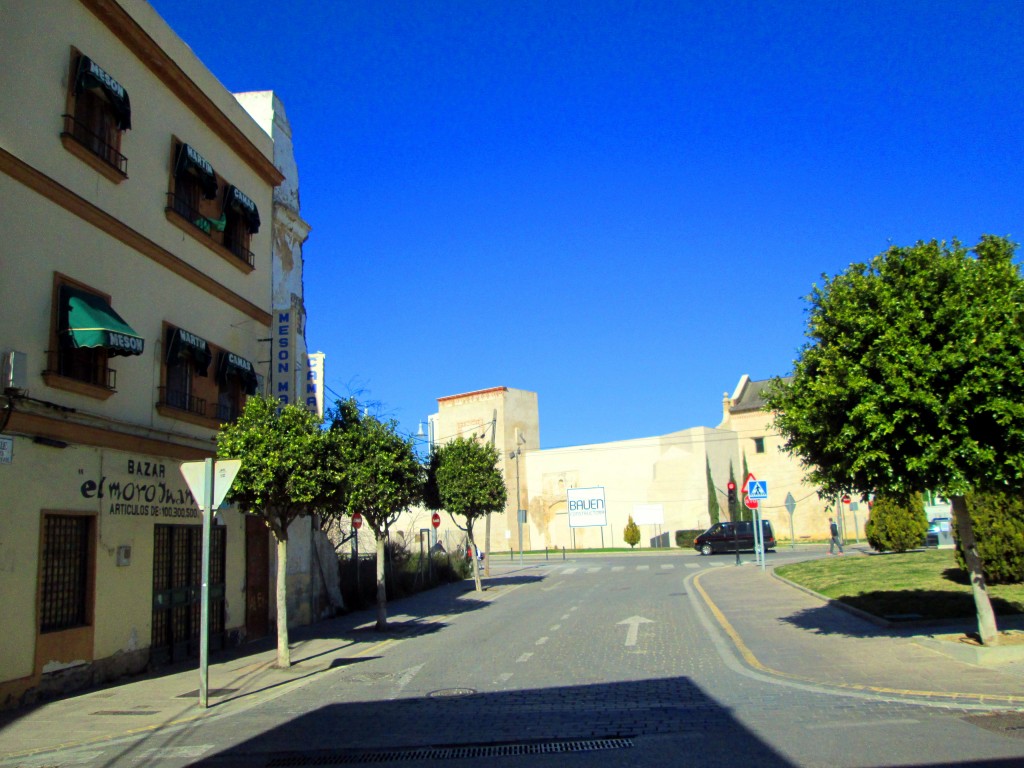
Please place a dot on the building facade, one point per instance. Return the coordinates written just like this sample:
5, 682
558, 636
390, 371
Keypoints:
137, 297
666, 483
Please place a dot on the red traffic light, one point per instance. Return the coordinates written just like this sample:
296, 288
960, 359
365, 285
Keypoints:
731, 485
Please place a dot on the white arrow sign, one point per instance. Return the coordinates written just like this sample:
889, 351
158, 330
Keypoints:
634, 623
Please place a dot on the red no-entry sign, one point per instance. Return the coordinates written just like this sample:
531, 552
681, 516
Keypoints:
435, 520
357, 520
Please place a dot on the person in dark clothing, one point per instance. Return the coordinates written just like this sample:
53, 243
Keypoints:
835, 541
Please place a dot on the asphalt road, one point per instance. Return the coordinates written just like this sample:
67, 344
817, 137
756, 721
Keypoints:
592, 662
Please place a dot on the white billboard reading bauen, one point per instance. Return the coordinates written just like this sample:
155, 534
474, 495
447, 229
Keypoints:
586, 507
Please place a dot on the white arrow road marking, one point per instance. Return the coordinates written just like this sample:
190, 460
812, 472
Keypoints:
634, 623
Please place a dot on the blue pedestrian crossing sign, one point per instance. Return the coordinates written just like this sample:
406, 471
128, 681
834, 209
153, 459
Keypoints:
757, 489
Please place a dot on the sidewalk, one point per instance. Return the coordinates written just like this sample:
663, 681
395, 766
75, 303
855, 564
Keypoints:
238, 679
800, 637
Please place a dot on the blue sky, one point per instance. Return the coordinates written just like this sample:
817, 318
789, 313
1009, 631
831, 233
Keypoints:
618, 205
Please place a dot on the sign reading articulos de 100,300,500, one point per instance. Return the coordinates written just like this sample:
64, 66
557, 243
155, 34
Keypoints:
586, 507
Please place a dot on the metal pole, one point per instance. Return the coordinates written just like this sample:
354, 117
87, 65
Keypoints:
519, 508
204, 612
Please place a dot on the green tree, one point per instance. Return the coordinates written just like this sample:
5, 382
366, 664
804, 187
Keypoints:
998, 520
632, 533
912, 379
287, 472
714, 511
896, 525
383, 478
463, 478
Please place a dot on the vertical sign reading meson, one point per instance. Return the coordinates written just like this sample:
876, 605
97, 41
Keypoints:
283, 365
586, 507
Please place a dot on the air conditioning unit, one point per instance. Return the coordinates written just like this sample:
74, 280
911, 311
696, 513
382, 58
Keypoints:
14, 376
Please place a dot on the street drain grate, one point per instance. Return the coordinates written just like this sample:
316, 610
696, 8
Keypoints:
461, 752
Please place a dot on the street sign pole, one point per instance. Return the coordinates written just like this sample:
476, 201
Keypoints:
204, 614
201, 479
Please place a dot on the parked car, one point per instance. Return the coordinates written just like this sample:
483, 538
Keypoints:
728, 537
935, 527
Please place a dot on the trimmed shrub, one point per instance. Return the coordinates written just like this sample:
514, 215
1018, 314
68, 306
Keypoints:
685, 538
631, 535
998, 519
896, 525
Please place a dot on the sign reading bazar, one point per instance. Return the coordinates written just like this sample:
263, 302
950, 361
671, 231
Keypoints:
141, 487
586, 507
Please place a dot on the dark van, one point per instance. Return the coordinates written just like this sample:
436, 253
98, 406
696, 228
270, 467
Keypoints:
727, 537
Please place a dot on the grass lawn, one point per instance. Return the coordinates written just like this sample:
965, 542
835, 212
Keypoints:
926, 584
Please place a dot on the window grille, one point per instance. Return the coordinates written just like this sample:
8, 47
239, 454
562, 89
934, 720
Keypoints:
65, 586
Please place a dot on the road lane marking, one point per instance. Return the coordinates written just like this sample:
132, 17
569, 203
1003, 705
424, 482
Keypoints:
616, 568
555, 628
593, 570
541, 641
404, 679
565, 616
667, 567
504, 677
643, 567
524, 657
567, 571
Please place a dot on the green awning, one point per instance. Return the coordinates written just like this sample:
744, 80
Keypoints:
190, 161
90, 76
181, 343
88, 321
236, 365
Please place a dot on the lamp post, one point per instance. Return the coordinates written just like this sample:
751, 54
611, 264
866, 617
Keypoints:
519, 512
429, 435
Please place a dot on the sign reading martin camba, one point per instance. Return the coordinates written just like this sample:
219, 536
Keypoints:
586, 507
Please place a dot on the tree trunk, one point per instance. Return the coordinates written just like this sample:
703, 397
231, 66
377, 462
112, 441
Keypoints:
476, 562
284, 658
382, 589
987, 630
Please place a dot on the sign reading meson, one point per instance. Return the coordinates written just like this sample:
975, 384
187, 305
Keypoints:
586, 507
142, 488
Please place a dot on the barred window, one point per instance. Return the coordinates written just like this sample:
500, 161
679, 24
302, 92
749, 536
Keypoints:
64, 603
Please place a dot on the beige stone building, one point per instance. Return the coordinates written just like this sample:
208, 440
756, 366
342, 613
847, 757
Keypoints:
664, 482
137, 301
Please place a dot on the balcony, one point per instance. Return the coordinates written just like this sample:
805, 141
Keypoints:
209, 228
96, 145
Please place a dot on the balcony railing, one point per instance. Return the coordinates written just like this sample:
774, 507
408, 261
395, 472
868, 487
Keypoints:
183, 401
205, 225
95, 143
227, 412
72, 364
243, 253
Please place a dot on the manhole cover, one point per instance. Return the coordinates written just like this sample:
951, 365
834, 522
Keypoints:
451, 692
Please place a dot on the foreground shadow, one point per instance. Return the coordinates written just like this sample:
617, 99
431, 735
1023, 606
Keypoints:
601, 724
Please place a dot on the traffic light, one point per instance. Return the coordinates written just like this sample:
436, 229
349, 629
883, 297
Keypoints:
731, 486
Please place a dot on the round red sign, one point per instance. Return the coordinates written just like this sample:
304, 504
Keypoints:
751, 503
357, 520
435, 520
846, 499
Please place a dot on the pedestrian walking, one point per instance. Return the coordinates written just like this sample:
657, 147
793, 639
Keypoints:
834, 541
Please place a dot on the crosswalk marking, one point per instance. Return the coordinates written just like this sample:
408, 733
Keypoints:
643, 567
618, 568
667, 567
